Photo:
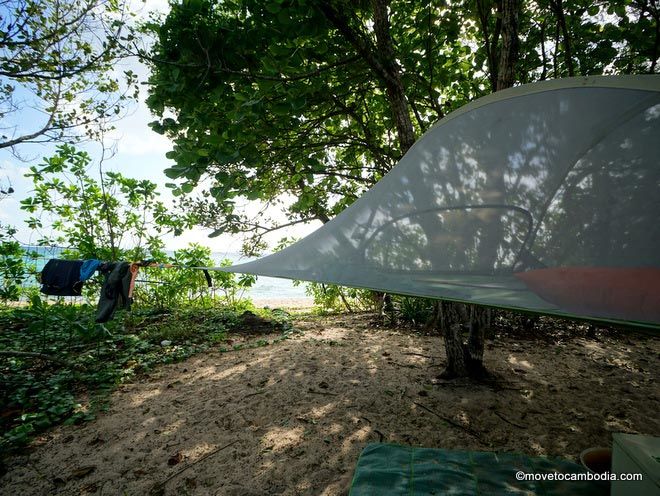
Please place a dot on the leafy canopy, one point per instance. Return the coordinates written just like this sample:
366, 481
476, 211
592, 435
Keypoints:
272, 102
291, 103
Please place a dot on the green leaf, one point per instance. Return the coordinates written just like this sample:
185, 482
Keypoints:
173, 172
273, 7
283, 17
217, 232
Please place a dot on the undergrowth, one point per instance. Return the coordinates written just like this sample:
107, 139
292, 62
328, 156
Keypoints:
73, 363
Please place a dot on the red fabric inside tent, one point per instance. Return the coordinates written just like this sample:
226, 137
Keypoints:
633, 292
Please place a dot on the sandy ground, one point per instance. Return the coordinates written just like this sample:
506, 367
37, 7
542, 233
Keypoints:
291, 418
288, 303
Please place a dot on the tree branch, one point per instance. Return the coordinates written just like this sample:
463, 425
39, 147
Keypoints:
558, 8
47, 127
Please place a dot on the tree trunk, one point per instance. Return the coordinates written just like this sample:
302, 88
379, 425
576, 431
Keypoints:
656, 43
480, 318
509, 49
392, 76
464, 359
382, 60
544, 56
490, 40
381, 57
558, 7
457, 365
449, 319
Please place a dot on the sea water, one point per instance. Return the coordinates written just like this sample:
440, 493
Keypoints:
264, 287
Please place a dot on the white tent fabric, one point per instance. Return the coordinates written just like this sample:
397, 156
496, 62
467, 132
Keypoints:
544, 197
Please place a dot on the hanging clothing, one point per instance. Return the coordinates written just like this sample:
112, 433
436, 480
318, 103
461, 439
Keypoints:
133, 269
62, 278
88, 268
115, 290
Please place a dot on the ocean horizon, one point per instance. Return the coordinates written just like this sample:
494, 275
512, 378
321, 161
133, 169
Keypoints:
265, 288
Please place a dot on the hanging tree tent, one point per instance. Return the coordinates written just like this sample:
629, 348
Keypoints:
544, 197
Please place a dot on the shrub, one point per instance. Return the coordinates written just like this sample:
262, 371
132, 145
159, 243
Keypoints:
14, 269
173, 287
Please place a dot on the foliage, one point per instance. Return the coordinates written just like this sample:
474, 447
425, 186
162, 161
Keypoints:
329, 298
416, 311
189, 287
13, 267
296, 80
118, 218
111, 218
232, 287
270, 101
57, 61
91, 358
333, 298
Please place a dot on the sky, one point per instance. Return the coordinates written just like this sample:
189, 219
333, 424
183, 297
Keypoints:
140, 154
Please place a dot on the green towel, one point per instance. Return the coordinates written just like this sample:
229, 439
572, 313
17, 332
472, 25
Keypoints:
387, 469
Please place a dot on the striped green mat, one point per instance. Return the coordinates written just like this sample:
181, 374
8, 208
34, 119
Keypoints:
392, 470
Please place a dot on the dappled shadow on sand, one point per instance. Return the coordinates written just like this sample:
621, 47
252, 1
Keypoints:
292, 418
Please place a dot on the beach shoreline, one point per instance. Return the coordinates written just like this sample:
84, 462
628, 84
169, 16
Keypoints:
285, 303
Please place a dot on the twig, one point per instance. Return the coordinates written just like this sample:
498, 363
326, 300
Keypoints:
508, 421
161, 484
420, 355
254, 394
452, 423
405, 365
321, 392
